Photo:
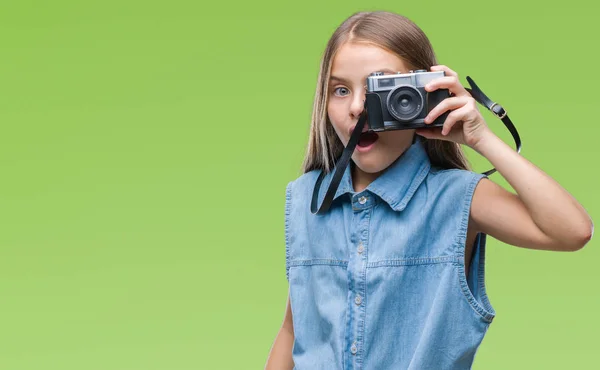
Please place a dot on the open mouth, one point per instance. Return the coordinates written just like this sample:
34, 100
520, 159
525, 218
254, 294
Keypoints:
367, 139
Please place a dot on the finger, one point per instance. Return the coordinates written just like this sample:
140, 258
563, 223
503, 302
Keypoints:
430, 132
446, 104
448, 82
447, 71
460, 114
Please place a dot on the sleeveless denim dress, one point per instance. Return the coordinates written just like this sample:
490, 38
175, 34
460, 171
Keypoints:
378, 281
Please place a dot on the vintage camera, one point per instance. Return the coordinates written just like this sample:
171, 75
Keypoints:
399, 101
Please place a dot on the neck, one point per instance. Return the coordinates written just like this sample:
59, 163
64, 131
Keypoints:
362, 179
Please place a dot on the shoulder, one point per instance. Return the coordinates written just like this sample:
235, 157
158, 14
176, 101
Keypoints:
483, 200
302, 182
452, 191
299, 190
452, 172
454, 178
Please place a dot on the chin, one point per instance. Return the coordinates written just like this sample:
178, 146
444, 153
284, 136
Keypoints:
372, 164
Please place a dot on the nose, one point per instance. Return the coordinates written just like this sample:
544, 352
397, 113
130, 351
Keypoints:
358, 104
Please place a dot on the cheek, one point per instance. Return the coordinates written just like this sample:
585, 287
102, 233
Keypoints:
332, 110
335, 115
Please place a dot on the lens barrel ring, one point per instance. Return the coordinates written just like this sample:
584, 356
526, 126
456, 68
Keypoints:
405, 103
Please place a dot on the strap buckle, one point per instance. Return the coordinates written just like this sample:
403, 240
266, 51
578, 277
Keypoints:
501, 113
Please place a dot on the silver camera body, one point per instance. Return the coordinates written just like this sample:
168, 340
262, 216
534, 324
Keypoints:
399, 101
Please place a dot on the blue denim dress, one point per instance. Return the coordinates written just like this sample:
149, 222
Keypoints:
378, 282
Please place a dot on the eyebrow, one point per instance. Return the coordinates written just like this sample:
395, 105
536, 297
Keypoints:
341, 79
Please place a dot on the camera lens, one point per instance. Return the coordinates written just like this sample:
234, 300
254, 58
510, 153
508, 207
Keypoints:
405, 103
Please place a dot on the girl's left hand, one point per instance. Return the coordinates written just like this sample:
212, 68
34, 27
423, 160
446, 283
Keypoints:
464, 124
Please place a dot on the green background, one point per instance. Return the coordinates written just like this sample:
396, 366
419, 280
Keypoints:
145, 149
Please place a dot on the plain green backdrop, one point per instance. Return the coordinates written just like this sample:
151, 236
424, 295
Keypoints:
145, 149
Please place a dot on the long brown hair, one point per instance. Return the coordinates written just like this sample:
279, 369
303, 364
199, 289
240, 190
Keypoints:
398, 35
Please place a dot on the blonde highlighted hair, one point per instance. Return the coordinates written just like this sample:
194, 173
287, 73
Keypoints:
398, 35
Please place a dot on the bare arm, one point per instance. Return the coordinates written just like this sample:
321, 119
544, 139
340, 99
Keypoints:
280, 357
542, 215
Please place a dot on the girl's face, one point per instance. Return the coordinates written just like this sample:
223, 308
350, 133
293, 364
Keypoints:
350, 69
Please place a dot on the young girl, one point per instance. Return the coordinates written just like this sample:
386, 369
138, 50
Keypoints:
392, 275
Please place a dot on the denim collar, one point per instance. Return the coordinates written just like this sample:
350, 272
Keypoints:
396, 185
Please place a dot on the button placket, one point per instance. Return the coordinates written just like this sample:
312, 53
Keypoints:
362, 206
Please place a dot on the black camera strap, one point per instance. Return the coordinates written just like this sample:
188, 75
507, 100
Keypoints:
342, 163
498, 111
